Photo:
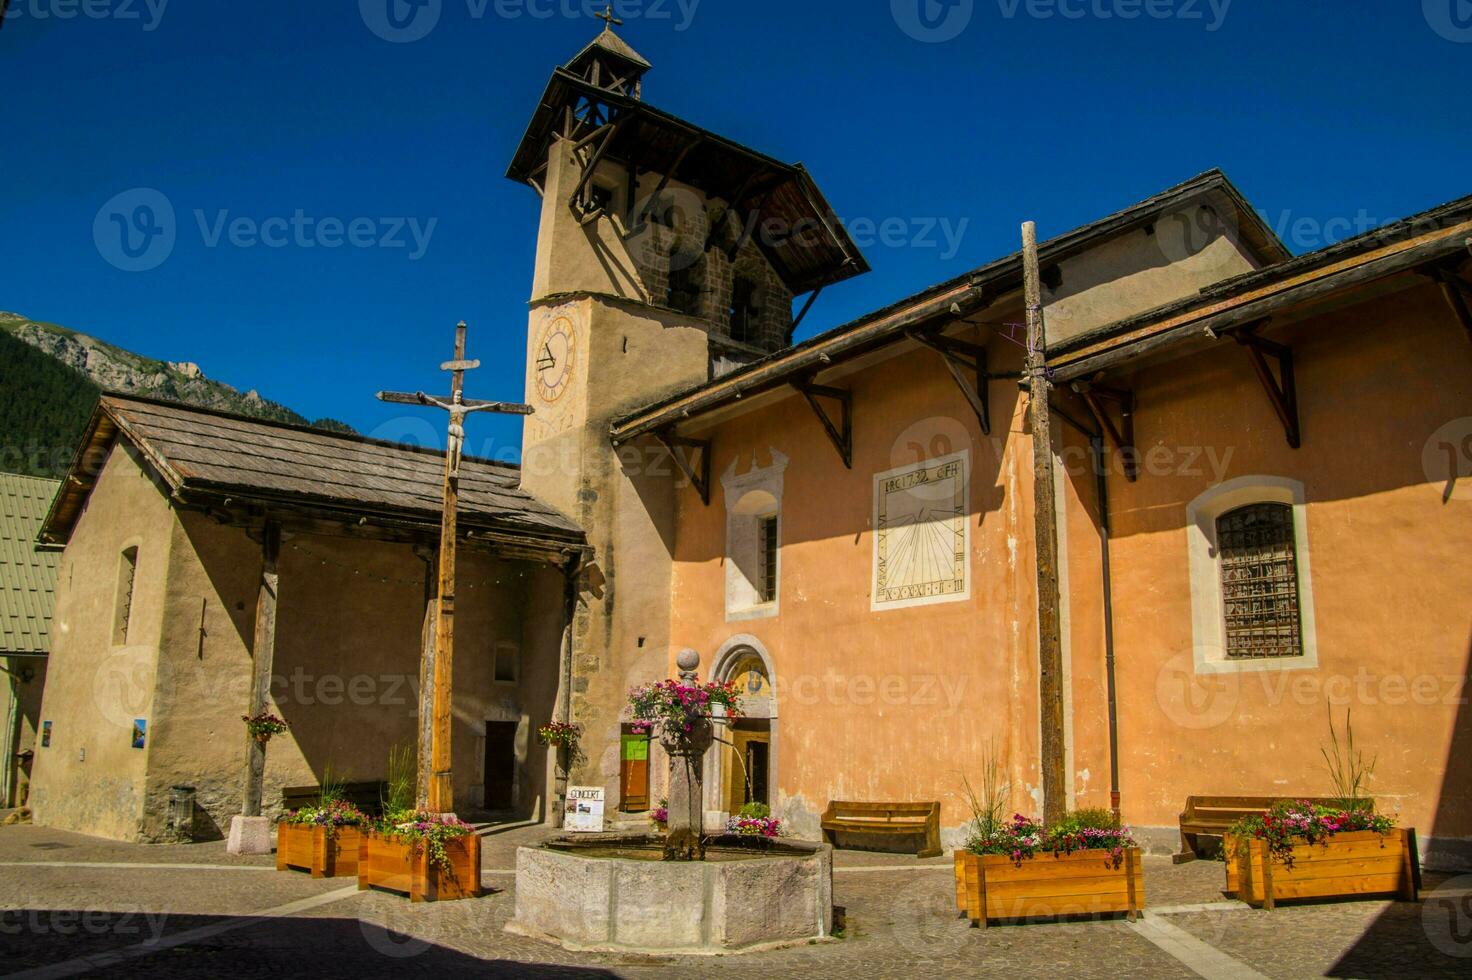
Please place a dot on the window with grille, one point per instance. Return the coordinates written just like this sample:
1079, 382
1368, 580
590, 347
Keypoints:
1259, 570
767, 570
123, 609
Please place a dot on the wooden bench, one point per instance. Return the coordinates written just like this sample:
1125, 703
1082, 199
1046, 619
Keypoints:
891, 819
1214, 815
367, 797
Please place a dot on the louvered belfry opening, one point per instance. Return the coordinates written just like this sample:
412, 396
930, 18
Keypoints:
1259, 567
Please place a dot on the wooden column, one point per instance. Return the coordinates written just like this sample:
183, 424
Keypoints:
1045, 524
424, 757
263, 651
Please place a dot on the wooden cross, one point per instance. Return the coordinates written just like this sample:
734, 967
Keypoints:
440, 797
608, 17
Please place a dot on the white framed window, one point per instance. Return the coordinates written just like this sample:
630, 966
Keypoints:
753, 557
1251, 589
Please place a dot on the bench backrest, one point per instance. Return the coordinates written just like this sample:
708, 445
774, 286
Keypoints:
880, 811
1230, 809
364, 796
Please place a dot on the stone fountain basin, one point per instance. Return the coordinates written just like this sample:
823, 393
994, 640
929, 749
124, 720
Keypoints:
612, 893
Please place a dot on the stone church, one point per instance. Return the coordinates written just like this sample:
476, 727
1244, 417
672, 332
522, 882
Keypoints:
1259, 504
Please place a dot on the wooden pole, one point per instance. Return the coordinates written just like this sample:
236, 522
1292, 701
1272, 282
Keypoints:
435, 792
430, 557
263, 650
441, 788
1045, 524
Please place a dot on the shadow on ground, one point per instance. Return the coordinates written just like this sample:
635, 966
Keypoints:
89, 943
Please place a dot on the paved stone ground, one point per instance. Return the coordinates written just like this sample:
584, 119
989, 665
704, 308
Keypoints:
192, 910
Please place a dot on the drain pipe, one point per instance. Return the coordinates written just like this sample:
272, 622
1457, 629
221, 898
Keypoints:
1101, 483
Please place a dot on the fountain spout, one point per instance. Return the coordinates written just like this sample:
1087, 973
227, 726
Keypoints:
686, 749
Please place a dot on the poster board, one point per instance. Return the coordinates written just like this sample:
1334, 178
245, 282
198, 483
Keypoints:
583, 812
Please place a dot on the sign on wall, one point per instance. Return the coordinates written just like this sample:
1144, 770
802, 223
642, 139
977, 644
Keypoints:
584, 810
922, 538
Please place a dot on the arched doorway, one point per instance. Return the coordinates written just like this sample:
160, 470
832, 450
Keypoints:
743, 768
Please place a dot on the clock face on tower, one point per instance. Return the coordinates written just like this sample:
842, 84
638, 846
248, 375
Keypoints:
554, 359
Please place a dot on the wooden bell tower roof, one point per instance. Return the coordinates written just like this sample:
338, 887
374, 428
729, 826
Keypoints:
611, 47
595, 100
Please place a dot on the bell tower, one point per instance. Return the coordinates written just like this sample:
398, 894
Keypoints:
651, 278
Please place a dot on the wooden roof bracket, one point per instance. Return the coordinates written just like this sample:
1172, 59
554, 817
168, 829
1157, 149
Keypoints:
608, 132
699, 477
841, 434
1121, 436
737, 199
664, 181
1455, 290
802, 313
954, 355
1282, 391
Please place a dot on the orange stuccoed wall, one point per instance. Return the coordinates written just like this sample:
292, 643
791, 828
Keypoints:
899, 704
907, 704
1391, 567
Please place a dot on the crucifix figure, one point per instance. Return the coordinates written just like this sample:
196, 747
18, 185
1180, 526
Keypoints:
440, 793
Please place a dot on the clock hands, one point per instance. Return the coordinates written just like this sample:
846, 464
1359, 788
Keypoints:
547, 360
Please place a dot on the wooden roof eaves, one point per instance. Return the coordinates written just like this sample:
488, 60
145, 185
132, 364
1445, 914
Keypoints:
1256, 297
201, 494
107, 423
980, 287
531, 152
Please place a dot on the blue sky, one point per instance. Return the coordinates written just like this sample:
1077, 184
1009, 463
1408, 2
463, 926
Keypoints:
957, 119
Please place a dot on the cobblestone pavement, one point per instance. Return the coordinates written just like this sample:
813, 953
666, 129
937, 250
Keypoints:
65, 897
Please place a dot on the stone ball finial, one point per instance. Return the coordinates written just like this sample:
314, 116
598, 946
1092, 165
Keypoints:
687, 660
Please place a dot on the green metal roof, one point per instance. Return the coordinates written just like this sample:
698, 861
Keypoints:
27, 577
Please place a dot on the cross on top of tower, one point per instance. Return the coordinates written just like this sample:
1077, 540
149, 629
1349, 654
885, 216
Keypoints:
609, 18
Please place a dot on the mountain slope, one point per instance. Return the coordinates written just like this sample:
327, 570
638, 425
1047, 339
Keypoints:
50, 377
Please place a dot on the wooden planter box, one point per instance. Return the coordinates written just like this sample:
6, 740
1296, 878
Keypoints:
311, 849
404, 866
991, 886
1349, 865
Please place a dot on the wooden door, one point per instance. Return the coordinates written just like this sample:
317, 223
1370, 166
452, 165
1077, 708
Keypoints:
500, 774
634, 772
757, 757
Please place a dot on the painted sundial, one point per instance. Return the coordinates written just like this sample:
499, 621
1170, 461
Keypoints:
921, 534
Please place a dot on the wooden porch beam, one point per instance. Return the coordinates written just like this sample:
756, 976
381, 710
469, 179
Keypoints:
842, 434
263, 650
699, 479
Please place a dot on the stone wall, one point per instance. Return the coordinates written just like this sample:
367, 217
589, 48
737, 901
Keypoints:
345, 670
90, 779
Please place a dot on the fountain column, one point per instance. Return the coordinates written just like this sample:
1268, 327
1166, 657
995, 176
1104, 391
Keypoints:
687, 757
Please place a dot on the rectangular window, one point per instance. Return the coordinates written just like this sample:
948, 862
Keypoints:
1259, 569
744, 312
123, 608
507, 655
767, 567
